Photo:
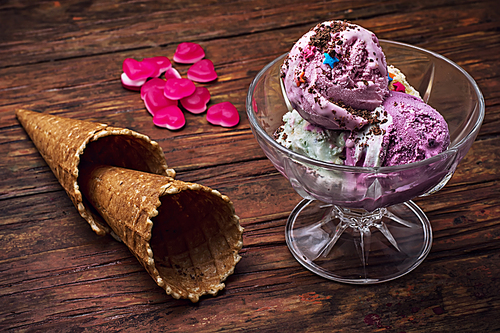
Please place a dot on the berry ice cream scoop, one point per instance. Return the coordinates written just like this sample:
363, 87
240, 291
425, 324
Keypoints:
335, 75
407, 130
418, 131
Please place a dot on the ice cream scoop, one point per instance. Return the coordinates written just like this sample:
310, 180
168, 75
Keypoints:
335, 75
407, 130
311, 140
418, 131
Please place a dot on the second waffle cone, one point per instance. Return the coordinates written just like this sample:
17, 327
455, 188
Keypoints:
186, 235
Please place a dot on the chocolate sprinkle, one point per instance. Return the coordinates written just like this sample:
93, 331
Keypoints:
324, 35
365, 114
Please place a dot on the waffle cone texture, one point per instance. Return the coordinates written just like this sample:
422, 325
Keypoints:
186, 235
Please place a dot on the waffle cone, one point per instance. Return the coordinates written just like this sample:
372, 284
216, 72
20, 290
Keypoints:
67, 143
186, 235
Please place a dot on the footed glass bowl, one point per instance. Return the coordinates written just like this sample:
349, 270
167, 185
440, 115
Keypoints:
358, 224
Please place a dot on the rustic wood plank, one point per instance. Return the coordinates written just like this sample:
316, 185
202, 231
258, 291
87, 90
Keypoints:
78, 25
404, 304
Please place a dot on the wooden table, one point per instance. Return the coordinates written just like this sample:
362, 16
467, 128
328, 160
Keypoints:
65, 57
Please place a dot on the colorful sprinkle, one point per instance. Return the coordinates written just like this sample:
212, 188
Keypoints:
309, 52
398, 86
301, 79
329, 60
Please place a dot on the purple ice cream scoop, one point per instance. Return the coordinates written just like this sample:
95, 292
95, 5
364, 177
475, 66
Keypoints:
406, 130
335, 75
418, 131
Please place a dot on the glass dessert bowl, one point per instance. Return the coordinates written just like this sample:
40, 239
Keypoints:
358, 224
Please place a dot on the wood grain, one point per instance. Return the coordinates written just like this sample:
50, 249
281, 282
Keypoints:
64, 58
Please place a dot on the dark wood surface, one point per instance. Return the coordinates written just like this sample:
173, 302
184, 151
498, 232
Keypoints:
64, 58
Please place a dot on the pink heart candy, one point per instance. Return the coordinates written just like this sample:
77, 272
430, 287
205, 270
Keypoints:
176, 89
188, 53
153, 84
197, 102
172, 73
224, 114
155, 100
170, 117
138, 70
131, 84
202, 71
161, 64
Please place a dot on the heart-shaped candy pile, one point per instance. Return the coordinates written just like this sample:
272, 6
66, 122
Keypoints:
161, 96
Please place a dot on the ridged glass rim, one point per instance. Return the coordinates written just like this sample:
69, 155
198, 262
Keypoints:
385, 169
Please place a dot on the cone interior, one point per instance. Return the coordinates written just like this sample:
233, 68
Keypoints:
116, 150
124, 151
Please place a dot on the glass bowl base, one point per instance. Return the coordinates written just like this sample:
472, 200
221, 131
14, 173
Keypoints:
355, 246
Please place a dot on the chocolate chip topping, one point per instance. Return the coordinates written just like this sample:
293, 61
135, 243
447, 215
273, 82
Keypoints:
365, 114
373, 118
278, 132
324, 35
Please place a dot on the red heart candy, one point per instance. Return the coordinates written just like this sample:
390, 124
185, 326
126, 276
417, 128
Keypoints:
224, 114
137, 70
130, 84
188, 53
197, 102
176, 89
170, 117
153, 84
154, 100
161, 64
202, 71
